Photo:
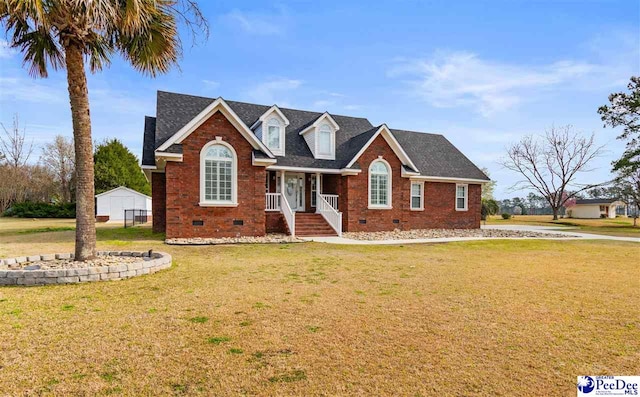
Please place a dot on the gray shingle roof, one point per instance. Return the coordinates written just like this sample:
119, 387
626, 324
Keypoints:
433, 154
596, 201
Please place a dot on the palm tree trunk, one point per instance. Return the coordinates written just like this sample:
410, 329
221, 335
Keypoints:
85, 205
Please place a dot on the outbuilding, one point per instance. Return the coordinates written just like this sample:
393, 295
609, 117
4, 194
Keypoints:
110, 205
597, 208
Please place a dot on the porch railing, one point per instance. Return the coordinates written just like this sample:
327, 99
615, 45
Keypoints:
288, 213
330, 214
332, 199
273, 202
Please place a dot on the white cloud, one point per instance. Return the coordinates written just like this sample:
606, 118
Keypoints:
31, 90
5, 50
211, 84
259, 24
451, 79
273, 91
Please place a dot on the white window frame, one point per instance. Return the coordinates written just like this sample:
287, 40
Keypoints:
314, 190
234, 176
466, 197
273, 122
411, 196
389, 189
331, 153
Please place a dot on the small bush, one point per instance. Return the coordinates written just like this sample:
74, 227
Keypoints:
41, 210
506, 216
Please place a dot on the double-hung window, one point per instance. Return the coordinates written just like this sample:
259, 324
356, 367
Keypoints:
417, 195
461, 197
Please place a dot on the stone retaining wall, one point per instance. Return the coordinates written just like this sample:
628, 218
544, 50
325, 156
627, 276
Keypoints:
148, 264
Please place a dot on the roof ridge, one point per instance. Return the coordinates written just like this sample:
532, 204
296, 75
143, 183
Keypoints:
259, 104
417, 132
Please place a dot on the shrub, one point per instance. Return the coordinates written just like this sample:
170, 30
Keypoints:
41, 210
506, 216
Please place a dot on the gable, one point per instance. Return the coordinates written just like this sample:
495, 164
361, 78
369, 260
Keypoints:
216, 106
431, 154
386, 134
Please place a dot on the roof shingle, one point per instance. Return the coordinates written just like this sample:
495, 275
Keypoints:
433, 154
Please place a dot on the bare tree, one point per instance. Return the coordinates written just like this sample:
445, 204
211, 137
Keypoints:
550, 163
15, 151
59, 157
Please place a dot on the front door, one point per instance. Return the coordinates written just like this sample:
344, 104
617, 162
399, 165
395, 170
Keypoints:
294, 190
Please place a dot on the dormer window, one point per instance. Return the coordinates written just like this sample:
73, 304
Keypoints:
270, 129
274, 135
321, 137
324, 140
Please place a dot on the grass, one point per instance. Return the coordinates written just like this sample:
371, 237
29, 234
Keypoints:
473, 318
622, 227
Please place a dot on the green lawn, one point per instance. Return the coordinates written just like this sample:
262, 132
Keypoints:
613, 227
474, 318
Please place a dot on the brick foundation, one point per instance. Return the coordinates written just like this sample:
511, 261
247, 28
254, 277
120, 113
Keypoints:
275, 223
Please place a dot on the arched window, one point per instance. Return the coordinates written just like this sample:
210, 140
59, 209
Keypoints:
324, 140
379, 184
218, 181
274, 137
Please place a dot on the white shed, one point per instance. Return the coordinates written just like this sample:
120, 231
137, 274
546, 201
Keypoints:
597, 208
110, 205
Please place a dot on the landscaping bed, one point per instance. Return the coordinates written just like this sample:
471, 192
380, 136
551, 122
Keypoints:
446, 233
62, 269
268, 239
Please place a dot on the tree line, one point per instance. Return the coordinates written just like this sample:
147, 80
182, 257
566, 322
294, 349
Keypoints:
550, 163
47, 175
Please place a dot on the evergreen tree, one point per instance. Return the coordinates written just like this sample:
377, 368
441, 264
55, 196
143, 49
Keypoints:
116, 166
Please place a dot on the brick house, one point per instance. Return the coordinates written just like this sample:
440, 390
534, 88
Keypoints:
222, 168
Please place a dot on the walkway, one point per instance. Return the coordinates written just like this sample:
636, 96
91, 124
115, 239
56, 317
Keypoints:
567, 232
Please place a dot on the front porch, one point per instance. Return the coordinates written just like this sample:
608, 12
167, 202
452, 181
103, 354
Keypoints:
313, 194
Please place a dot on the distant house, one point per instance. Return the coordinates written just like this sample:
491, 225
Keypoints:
597, 208
110, 205
222, 168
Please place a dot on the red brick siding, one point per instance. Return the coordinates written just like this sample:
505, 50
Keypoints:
439, 201
183, 188
439, 209
358, 192
275, 223
158, 201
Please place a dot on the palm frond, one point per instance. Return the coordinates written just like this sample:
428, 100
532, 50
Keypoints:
40, 50
155, 48
99, 50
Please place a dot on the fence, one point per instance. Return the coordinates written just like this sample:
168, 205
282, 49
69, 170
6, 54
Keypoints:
135, 217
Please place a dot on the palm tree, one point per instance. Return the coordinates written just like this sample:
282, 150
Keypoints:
65, 33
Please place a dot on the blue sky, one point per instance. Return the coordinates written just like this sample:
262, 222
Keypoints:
483, 73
